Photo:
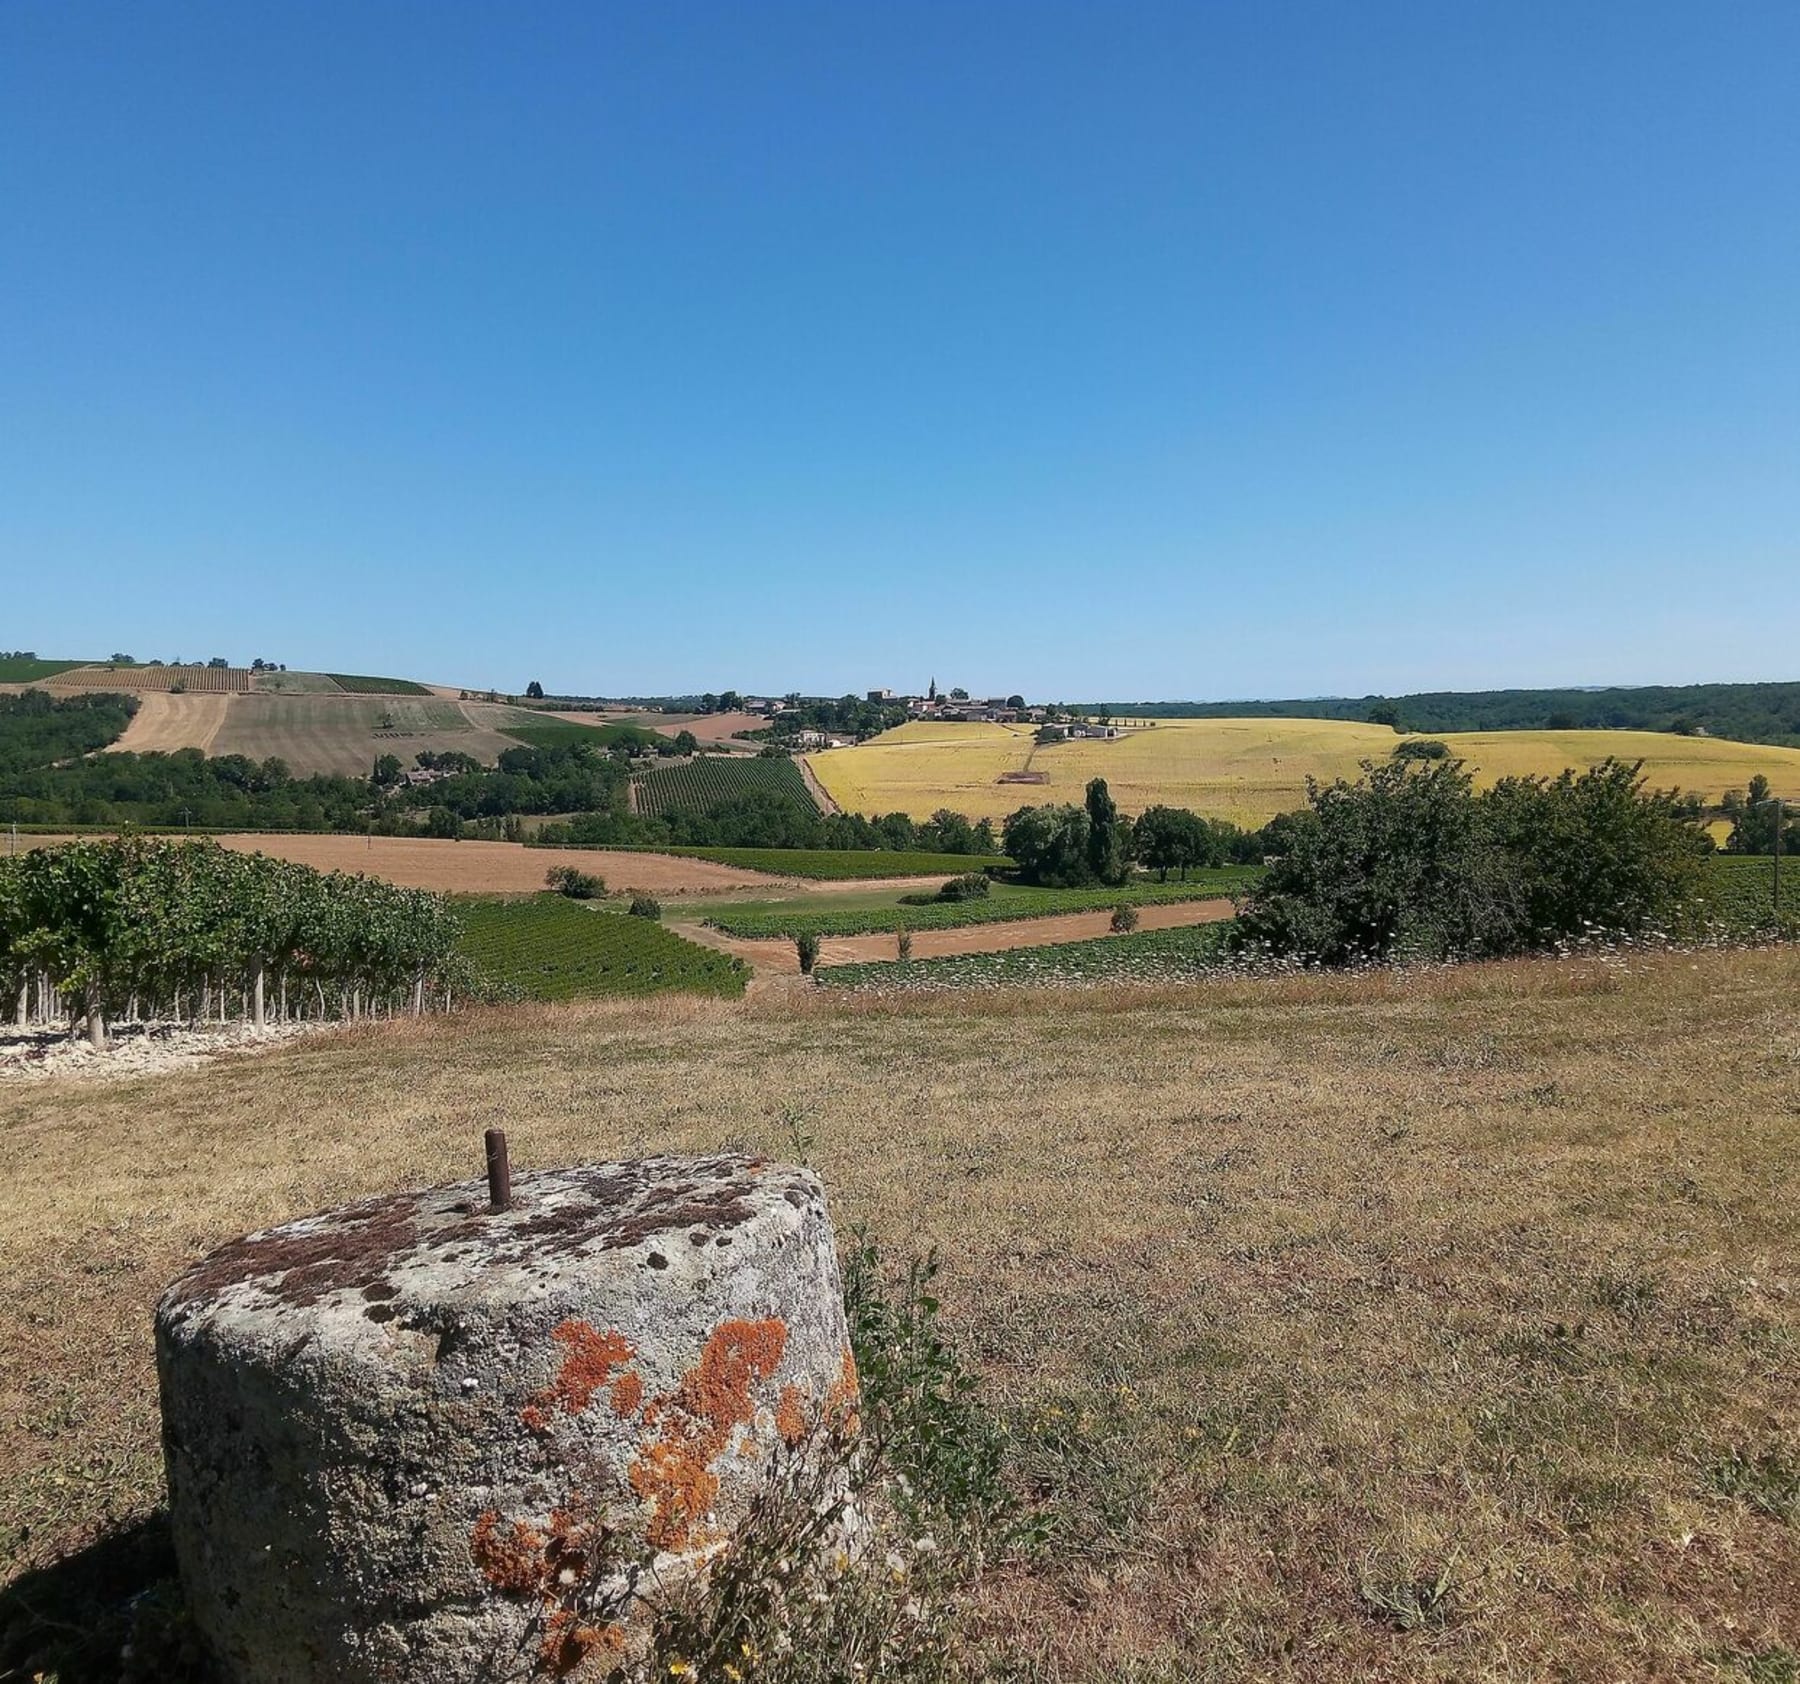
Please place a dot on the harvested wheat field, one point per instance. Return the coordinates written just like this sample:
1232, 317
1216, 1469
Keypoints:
1406, 1327
1245, 770
164, 723
496, 868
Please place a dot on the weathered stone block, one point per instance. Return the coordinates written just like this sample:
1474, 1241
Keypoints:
416, 1442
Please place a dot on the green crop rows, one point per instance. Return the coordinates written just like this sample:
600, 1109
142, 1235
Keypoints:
549, 948
559, 733
699, 785
360, 686
840, 864
1005, 904
1739, 893
1151, 956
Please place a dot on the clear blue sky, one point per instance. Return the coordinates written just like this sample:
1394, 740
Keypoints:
1103, 350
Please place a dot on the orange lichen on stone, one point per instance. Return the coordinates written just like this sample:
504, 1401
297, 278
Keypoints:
587, 1369
592, 1358
511, 1561
627, 1394
845, 1394
675, 1474
790, 1416
569, 1640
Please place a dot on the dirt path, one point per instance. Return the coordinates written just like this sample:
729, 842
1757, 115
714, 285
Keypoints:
819, 792
778, 958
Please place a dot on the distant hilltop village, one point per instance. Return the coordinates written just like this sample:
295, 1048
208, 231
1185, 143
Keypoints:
797, 720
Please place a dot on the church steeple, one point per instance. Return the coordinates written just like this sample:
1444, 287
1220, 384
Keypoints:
931, 694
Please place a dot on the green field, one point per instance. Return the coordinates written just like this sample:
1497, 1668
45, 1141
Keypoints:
1005, 903
16, 671
559, 733
1740, 891
359, 685
1149, 956
838, 865
699, 785
550, 948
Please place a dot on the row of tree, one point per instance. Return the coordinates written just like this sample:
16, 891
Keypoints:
192, 932
1066, 847
1758, 822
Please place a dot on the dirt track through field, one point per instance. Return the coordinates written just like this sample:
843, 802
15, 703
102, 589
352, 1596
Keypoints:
780, 958
164, 723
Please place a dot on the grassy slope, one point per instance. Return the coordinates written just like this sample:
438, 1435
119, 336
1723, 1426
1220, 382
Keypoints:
1003, 904
1241, 769
1296, 1294
359, 684
14, 670
552, 948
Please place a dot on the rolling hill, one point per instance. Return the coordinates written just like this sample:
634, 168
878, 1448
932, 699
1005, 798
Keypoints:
1245, 770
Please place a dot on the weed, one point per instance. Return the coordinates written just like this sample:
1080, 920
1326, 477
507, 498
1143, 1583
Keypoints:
1411, 1602
1769, 1481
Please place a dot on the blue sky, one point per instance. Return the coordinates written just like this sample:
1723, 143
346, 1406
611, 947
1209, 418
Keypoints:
1094, 350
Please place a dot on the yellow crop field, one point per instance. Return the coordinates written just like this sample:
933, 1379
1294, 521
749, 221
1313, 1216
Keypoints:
1245, 770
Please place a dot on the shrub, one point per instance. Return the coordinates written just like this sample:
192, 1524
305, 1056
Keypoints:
1421, 748
807, 946
1408, 862
1124, 920
972, 885
577, 885
645, 906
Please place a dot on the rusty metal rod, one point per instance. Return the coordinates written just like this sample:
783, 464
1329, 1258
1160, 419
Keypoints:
499, 1171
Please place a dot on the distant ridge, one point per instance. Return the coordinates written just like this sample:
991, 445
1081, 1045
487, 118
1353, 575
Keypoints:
1747, 713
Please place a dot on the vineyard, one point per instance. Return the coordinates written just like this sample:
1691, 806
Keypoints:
1153, 956
560, 733
137, 930
361, 686
1740, 894
839, 865
1004, 904
699, 785
200, 681
549, 948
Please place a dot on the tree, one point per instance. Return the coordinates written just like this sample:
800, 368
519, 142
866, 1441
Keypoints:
1109, 836
1015, 701
686, 743
219, 663
388, 771
1408, 862
1386, 713
1050, 845
534, 691
959, 694
1171, 838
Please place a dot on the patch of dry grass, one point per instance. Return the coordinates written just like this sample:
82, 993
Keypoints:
1441, 1326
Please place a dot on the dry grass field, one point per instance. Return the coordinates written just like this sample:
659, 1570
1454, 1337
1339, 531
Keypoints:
164, 723
1246, 770
1441, 1326
344, 733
